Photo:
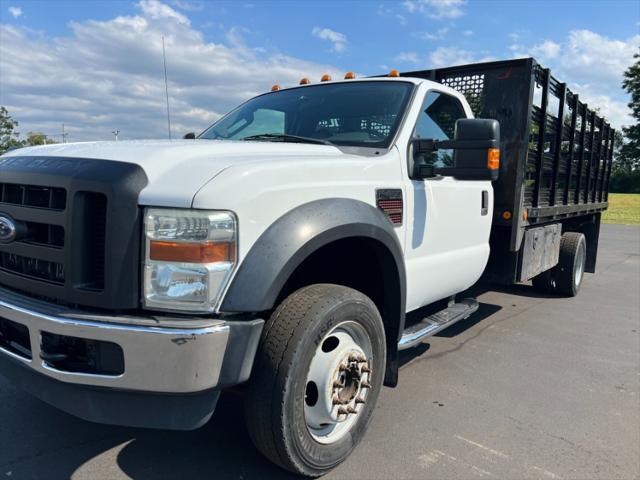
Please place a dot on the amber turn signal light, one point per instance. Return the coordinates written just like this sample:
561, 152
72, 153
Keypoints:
493, 159
191, 252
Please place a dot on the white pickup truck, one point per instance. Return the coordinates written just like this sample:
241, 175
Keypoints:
282, 248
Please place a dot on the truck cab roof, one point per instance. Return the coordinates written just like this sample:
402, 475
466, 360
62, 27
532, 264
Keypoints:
414, 80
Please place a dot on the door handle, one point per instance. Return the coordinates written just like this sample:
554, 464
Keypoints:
484, 205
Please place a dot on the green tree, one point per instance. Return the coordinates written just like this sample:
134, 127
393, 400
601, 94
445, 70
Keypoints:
629, 157
8, 134
37, 138
625, 177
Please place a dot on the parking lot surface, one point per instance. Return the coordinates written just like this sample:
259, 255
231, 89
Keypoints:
531, 386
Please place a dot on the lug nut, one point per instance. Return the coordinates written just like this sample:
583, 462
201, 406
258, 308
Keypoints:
365, 369
343, 367
359, 400
336, 400
357, 358
343, 411
351, 410
338, 384
365, 385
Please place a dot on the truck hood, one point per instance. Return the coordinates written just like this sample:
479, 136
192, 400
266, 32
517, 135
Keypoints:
177, 169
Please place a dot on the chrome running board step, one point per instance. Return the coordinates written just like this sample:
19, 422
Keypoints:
436, 322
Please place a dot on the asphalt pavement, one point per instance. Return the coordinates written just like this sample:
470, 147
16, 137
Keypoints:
531, 386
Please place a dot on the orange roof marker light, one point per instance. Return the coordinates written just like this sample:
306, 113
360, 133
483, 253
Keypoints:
349, 76
326, 78
275, 88
305, 81
394, 73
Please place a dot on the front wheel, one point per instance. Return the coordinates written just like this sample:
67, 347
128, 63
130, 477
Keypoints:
316, 379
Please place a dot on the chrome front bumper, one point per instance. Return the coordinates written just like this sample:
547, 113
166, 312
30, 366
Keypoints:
161, 355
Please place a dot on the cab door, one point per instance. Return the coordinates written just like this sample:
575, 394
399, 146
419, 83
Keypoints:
449, 220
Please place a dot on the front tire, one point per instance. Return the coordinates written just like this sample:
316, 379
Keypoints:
316, 378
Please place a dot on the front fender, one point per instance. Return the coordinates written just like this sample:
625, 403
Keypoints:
296, 235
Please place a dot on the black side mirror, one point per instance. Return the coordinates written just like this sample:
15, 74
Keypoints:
189, 136
476, 151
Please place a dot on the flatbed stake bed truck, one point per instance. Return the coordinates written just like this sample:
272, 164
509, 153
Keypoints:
282, 248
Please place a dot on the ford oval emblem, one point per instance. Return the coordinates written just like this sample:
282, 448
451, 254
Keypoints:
7, 229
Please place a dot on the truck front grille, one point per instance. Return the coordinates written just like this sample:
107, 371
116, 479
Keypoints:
40, 254
78, 224
32, 268
35, 196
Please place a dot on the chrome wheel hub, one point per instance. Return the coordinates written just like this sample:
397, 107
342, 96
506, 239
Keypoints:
338, 382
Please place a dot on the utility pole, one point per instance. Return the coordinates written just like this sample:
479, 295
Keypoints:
166, 87
116, 132
64, 135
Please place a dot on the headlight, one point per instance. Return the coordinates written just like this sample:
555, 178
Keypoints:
190, 255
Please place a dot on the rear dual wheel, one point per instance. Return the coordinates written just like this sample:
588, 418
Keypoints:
566, 277
316, 379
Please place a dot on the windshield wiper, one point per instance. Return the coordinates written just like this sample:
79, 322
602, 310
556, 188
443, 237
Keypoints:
284, 137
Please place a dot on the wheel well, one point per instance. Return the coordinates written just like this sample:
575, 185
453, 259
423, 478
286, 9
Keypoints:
363, 264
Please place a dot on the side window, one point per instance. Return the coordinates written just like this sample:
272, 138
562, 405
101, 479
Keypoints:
437, 121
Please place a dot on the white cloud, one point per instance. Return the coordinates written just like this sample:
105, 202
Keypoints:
156, 10
436, 9
467, 33
107, 75
437, 35
407, 57
188, 5
592, 64
547, 49
15, 11
339, 40
448, 56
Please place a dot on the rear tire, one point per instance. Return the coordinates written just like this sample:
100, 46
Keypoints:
566, 277
322, 350
570, 268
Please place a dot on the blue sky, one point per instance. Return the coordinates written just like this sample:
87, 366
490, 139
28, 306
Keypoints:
96, 66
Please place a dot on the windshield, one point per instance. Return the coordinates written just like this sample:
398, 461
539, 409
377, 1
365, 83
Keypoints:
363, 114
